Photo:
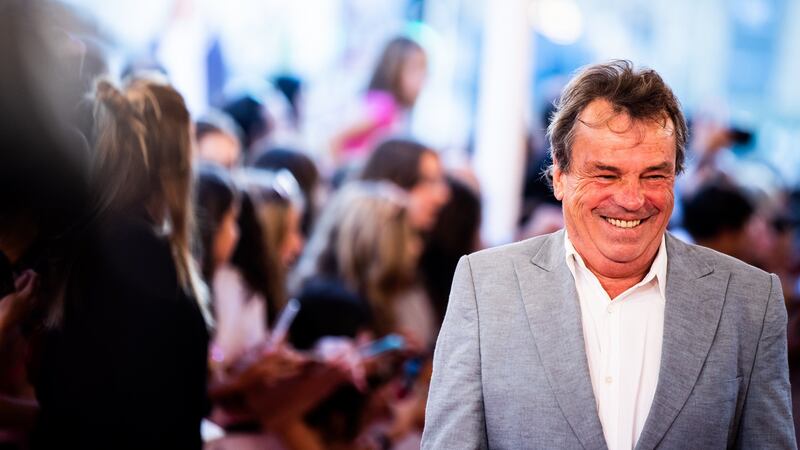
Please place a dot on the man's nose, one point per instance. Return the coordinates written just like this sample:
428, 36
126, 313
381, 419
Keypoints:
630, 195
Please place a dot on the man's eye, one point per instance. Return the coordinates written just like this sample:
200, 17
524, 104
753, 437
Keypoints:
607, 177
655, 177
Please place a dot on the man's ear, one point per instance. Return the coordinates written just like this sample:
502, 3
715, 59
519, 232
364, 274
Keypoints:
558, 182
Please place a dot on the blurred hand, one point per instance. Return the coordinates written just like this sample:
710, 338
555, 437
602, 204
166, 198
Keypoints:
709, 138
342, 356
270, 367
289, 399
408, 415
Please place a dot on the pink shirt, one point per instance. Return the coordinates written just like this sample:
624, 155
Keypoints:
383, 111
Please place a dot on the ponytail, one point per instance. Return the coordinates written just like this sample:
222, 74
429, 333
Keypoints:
121, 159
143, 159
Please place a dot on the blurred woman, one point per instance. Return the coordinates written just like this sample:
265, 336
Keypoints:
121, 357
392, 92
260, 386
277, 206
218, 139
417, 170
304, 171
217, 213
249, 285
363, 245
360, 257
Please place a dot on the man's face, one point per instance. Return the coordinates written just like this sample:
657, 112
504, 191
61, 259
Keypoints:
618, 195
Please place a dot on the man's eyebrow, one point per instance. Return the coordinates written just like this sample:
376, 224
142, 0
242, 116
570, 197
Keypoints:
658, 167
603, 167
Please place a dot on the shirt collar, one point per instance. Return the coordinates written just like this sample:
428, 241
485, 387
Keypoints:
658, 269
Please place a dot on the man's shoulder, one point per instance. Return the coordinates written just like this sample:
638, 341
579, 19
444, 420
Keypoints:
524, 250
716, 260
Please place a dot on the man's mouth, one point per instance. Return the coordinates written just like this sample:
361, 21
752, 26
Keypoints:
619, 223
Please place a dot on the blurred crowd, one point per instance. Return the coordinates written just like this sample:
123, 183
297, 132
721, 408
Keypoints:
162, 271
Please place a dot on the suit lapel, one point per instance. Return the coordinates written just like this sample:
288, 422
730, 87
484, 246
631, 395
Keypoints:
695, 294
554, 316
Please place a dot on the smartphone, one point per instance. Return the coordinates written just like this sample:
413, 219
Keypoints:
388, 343
283, 323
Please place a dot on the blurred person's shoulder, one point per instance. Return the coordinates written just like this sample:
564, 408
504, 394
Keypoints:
133, 256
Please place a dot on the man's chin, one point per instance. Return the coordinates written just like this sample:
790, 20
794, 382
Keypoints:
621, 254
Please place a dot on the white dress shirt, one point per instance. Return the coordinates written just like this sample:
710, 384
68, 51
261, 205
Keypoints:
623, 340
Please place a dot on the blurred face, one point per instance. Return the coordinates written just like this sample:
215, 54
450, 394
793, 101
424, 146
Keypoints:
293, 244
226, 238
415, 69
430, 193
220, 148
618, 196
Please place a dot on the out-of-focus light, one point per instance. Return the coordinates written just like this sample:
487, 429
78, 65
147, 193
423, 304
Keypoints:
560, 21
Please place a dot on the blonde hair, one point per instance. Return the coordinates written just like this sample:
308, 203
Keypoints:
144, 160
364, 238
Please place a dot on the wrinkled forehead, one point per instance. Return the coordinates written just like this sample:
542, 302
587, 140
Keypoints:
601, 113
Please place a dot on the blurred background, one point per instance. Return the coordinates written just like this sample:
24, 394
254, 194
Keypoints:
494, 68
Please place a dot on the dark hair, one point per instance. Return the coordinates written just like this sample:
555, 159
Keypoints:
388, 72
44, 160
290, 86
714, 208
45, 197
216, 121
641, 94
256, 255
453, 235
304, 171
216, 195
250, 115
396, 160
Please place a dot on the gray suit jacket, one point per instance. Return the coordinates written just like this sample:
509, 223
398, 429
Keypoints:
510, 368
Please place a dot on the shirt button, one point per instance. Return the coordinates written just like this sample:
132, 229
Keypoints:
610, 309
609, 380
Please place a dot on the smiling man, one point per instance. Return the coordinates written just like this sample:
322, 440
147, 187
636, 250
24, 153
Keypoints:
611, 333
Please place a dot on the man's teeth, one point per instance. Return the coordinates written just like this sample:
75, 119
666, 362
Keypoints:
623, 223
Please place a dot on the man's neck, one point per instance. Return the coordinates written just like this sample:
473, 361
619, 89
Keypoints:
615, 286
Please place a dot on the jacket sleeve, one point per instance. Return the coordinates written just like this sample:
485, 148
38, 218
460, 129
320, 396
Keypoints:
454, 417
766, 420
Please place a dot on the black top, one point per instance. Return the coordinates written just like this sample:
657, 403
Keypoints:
127, 368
